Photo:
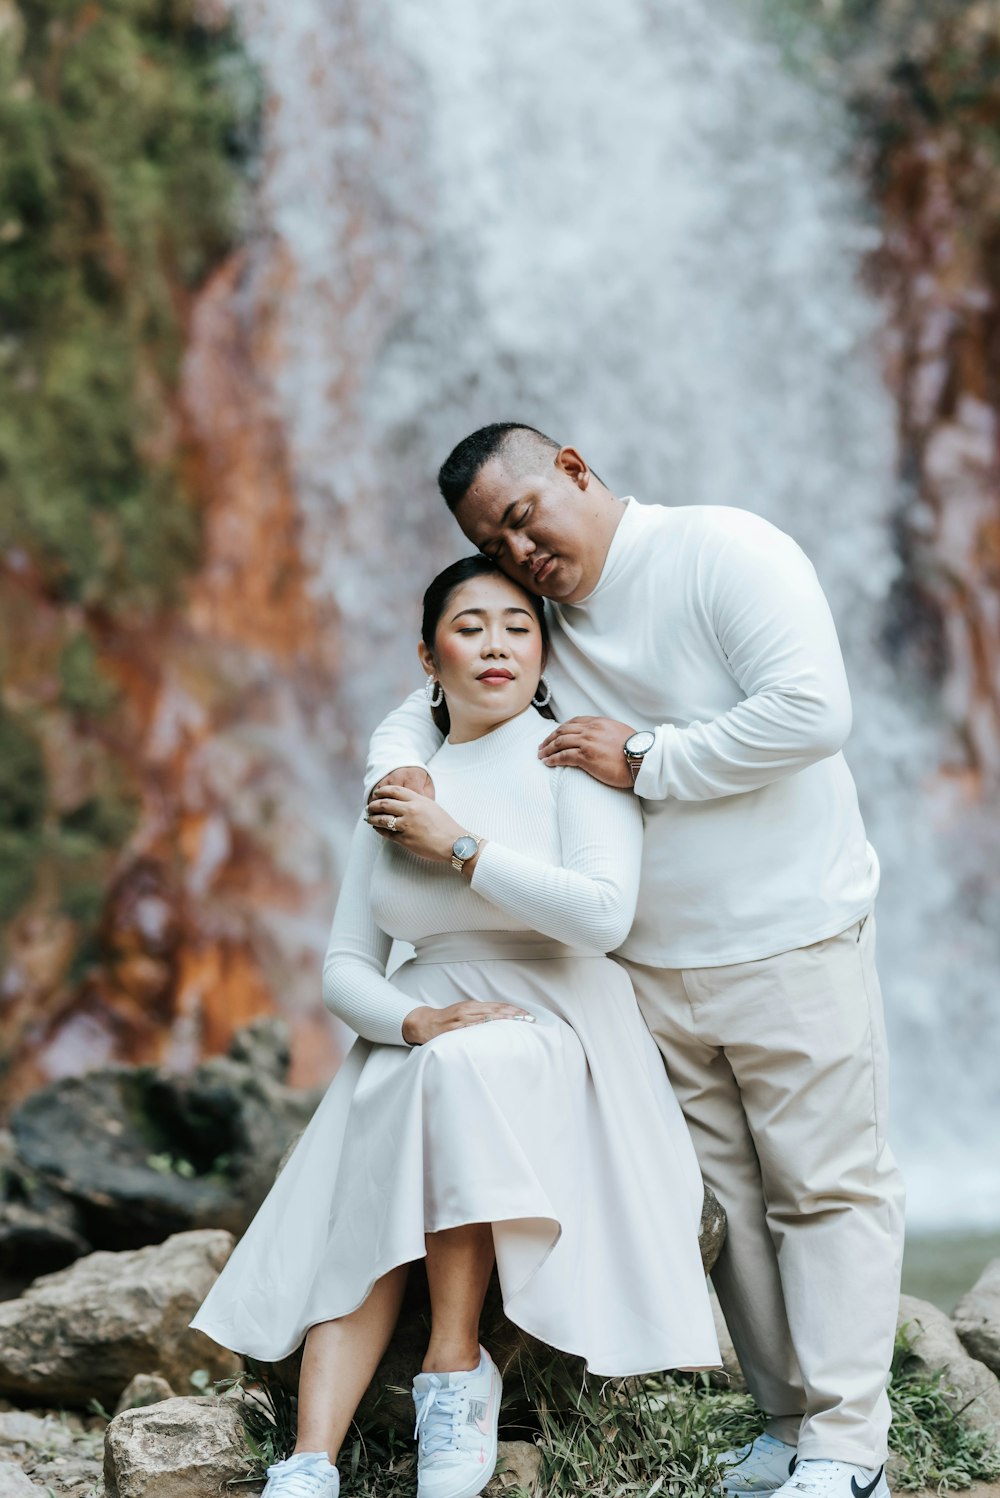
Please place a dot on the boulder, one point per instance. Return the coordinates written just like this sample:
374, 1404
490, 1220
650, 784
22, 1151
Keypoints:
731, 1375
84, 1332
969, 1385
145, 1388
712, 1232
17, 1484
977, 1318
519, 1465
140, 1152
180, 1448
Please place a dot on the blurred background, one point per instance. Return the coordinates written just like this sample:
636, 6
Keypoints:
262, 264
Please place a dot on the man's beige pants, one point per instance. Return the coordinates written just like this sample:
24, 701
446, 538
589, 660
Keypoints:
780, 1068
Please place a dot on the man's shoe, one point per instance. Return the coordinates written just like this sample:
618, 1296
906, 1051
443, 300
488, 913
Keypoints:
456, 1430
815, 1477
761, 1467
307, 1475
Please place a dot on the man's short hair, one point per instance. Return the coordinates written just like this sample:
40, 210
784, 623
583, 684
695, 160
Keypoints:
514, 442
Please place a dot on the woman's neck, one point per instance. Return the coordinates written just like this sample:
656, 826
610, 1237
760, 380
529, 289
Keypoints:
464, 729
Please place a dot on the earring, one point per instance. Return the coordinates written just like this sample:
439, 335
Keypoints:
546, 698
430, 686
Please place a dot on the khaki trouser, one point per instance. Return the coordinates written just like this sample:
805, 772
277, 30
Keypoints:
780, 1068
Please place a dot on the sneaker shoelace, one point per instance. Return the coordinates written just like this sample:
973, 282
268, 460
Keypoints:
303, 1479
436, 1418
815, 1477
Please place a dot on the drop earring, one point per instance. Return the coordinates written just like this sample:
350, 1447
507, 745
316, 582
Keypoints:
546, 697
430, 686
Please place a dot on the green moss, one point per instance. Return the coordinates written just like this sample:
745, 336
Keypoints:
124, 128
85, 689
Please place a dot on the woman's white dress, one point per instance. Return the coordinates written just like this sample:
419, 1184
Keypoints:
564, 1134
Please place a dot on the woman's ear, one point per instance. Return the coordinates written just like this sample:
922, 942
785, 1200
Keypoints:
426, 659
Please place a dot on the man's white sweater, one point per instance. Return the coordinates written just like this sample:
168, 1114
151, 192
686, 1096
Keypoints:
709, 626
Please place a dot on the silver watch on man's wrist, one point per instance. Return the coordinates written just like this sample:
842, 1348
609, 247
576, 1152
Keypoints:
637, 746
464, 848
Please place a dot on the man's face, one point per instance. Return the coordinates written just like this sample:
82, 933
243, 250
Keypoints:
539, 527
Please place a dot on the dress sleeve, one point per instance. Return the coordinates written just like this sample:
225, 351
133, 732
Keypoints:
765, 606
589, 899
408, 736
355, 987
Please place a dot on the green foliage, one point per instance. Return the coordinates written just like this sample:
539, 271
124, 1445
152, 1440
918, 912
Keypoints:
935, 1449
85, 689
123, 129
660, 1435
23, 790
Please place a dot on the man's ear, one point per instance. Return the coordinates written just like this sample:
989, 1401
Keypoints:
573, 466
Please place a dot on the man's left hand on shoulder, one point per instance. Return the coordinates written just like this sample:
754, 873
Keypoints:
596, 745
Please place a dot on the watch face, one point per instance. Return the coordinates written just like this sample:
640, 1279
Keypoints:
640, 743
464, 847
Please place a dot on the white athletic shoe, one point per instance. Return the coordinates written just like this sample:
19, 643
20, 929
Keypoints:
761, 1467
457, 1416
814, 1477
307, 1475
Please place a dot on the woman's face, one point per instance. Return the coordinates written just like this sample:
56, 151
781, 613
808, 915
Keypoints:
487, 651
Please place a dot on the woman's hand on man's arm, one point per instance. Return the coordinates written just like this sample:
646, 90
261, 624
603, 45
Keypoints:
411, 777
424, 1024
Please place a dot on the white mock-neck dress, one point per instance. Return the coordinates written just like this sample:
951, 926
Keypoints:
564, 1134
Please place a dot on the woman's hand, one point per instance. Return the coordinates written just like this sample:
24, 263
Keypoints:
416, 821
423, 1024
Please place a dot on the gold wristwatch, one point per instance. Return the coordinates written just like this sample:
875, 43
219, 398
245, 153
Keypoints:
464, 848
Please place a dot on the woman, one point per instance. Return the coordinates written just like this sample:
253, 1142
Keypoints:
550, 1140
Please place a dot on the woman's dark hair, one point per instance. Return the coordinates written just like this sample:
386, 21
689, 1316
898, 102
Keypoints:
436, 601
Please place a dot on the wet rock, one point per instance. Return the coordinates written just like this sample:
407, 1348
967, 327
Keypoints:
144, 1389
969, 1385
712, 1231
977, 1318
519, 1465
181, 1448
141, 1153
84, 1332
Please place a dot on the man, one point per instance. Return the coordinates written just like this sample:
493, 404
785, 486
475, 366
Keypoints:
694, 662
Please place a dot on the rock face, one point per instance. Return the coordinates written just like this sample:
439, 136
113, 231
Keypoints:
182, 1448
135, 1153
85, 1332
969, 1384
977, 1318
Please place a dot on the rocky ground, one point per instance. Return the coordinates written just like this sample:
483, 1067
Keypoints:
104, 1390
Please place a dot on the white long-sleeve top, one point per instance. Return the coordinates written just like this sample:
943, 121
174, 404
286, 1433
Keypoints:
709, 626
562, 857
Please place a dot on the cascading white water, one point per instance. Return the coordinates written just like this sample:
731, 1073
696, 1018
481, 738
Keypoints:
632, 226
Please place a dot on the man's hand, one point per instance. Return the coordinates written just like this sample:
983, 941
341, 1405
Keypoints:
423, 1024
416, 821
412, 777
596, 745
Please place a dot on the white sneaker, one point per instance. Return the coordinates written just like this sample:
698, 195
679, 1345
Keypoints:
307, 1475
457, 1416
815, 1477
761, 1467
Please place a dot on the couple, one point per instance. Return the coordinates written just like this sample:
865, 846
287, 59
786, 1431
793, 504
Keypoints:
691, 812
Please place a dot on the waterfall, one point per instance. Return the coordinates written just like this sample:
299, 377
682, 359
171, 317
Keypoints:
632, 226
